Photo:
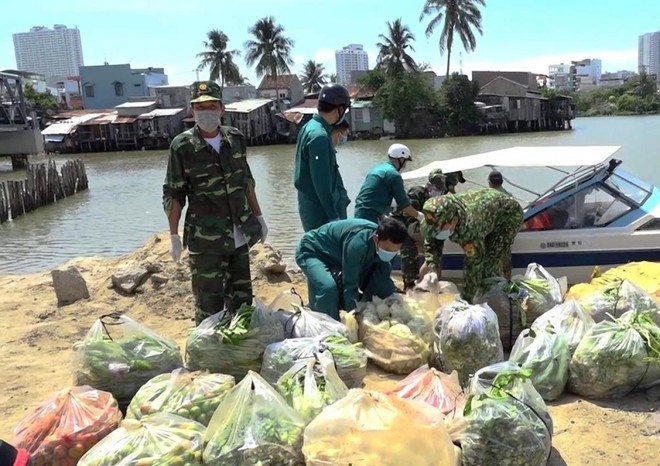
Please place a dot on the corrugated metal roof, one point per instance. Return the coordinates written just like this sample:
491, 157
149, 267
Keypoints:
105, 119
247, 106
136, 104
59, 128
161, 112
303, 110
121, 120
357, 104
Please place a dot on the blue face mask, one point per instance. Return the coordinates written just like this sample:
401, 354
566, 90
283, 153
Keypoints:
443, 235
386, 256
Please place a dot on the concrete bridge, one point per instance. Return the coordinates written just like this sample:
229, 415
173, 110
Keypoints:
19, 132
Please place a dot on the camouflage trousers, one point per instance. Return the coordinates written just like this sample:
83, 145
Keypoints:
409, 263
220, 281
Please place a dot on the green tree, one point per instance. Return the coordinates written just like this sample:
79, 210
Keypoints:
44, 104
457, 107
332, 78
643, 85
239, 80
457, 17
218, 59
374, 79
270, 50
313, 77
393, 56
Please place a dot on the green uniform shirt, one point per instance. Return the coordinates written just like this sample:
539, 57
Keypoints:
417, 195
349, 246
382, 184
215, 186
502, 190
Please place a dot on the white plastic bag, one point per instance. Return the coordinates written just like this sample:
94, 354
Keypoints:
568, 319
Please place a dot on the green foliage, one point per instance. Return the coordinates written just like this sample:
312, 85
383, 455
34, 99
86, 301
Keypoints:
457, 108
43, 103
637, 96
373, 80
218, 59
393, 55
270, 50
313, 76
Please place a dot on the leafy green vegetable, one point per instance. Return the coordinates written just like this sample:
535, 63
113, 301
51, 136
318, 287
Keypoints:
618, 298
568, 319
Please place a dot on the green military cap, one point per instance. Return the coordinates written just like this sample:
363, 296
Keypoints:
439, 211
437, 179
205, 91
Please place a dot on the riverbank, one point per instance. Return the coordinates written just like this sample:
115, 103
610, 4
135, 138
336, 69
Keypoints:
36, 338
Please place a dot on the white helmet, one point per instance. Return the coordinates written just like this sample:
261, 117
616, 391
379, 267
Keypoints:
399, 151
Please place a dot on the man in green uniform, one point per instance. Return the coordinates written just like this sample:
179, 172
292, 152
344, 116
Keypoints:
484, 222
418, 195
495, 181
322, 197
207, 167
357, 249
384, 184
452, 180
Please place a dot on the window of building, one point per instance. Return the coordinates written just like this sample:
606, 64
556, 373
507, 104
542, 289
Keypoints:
89, 91
119, 89
282, 95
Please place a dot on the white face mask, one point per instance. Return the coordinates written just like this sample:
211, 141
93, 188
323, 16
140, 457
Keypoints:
207, 120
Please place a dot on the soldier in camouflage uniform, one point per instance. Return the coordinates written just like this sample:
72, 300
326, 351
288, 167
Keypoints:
207, 167
418, 196
484, 222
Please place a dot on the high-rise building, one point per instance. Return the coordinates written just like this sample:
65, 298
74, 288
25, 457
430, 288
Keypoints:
588, 71
562, 77
648, 58
53, 52
350, 58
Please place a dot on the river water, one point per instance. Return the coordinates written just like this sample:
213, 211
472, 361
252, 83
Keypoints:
122, 208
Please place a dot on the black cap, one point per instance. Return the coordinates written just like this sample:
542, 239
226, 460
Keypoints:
459, 174
335, 94
495, 177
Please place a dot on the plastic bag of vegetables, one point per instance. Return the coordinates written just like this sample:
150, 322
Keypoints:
396, 332
159, 439
506, 421
432, 387
466, 339
301, 322
568, 319
232, 344
119, 355
617, 357
546, 354
617, 298
366, 428
192, 395
312, 384
350, 360
63, 428
253, 425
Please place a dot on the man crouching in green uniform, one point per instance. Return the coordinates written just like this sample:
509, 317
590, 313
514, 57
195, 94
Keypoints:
208, 167
357, 249
484, 222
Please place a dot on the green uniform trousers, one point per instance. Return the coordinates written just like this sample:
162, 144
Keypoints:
323, 294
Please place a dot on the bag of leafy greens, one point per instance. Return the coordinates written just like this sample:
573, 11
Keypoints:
301, 322
466, 339
617, 357
546, 354
312, 384
254, 425
506, 420
232, 344
618, 298
118, 355
350, 360
568, 319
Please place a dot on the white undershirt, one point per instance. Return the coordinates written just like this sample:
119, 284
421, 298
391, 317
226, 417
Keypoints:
239, 239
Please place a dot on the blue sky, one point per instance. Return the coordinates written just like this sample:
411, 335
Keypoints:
518, 34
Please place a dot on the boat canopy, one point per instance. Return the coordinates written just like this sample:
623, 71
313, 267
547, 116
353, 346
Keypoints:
521, 156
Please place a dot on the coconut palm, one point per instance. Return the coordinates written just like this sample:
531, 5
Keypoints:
239, 80
460, 16
393, 49
218, 59
270, 50
313, 77
332, 78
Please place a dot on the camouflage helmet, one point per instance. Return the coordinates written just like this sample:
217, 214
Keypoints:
205, 91
437, 179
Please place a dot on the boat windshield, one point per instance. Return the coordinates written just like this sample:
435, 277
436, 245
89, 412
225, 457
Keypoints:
570, 181
634, 189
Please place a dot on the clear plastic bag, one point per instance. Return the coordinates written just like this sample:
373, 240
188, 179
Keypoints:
568, 319
506, 420
156, 440
368, 428
118, 355
546, 354
350, 360
617, 358
254, 425
617, 298
350, 321
312, 384
466, 339
432, 387
192, 395
233, 344
299, 321
67, 425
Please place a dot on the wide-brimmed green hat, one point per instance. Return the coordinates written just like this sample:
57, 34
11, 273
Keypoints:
205, 91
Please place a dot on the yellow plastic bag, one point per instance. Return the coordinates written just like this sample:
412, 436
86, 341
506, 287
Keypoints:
369, 428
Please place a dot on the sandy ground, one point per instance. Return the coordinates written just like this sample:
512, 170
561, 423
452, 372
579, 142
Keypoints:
36, 339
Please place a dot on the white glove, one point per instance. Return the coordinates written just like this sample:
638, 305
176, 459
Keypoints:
413, 229
175, 248
420, 217
264, 228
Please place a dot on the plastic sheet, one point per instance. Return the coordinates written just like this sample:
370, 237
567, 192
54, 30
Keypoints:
568, 319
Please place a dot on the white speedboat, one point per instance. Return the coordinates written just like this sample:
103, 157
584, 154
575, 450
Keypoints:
596, 215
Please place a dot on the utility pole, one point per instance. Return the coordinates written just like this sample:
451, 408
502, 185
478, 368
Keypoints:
196, 70
460, 54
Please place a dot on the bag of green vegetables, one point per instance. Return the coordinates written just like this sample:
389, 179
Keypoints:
546, 354
233, 344
618, 298
192, 395
254, 426
118, 355
568, 319
312, 384
617, 357
506, 420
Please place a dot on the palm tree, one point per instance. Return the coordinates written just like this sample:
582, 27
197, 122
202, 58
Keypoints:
332, 78
239, 80
218, 58
393, 50
313, 77
270, 51
460, 16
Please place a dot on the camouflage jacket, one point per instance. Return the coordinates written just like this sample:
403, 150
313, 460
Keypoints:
215, 186
418, 196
